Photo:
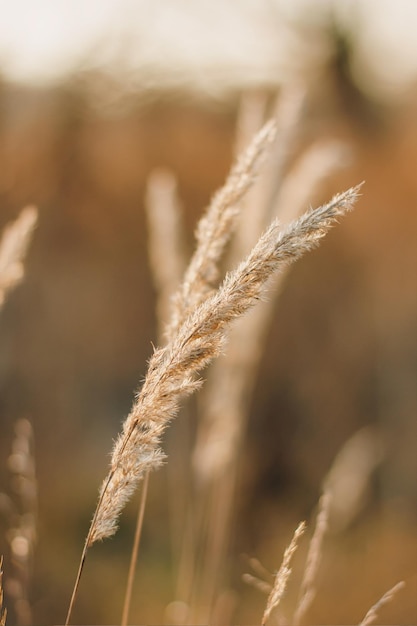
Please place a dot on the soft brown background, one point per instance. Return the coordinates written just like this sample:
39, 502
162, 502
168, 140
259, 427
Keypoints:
76, 335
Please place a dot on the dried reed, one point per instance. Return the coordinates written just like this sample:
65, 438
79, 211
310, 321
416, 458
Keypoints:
22, 533
215, 228
350, 474
225, 403
257, 583
308, 585
218, 436
213, 233
289, 114
13, 246
223, 408
251, 118
200, 339
165, 232
172, 370
3, 611
135, 551
372, 614
283, 575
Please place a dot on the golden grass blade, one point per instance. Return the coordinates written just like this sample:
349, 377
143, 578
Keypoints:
251, 117
215, 228
317, 163
172, 369
314, 556
372, 614
200, 338
289, 113
77, 583
22, 533
165, 232
135, 550
3, 611
259, 201
231, 379
257, 583
350, 474
13, 246
260, 580
258, 568
283, 575
226, 400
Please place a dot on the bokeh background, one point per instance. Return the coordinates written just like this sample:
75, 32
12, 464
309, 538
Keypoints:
93, 97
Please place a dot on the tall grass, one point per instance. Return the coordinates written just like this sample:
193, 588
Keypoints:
200, 320
13, 247
201, 316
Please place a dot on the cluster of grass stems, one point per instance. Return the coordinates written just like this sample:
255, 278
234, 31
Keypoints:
257, 232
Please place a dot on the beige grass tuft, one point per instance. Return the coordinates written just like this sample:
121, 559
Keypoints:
172, 370
216, 227
3, 611
165, 232
283, 575
13, 246
372, 614
232, 378
314, 556
22, 533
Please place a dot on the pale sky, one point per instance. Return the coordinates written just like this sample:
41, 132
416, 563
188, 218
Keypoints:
206, 41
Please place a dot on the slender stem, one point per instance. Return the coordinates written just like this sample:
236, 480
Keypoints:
86, 546
135, 550
77, 582
219, 530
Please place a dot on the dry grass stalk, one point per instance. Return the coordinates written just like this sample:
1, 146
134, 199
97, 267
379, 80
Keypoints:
300, 185
22, 514
259, 580
165, 233
231, 378
259, 569
372, 614
135, 551
251, 117
257, 583
13, 246
258, 203
3, 611
314, 556
350, 474
225, 404
225, 607
289, 109
226, 401
172, 369
215, 228
282, 576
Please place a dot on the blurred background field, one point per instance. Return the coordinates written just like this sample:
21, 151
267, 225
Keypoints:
93, 97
